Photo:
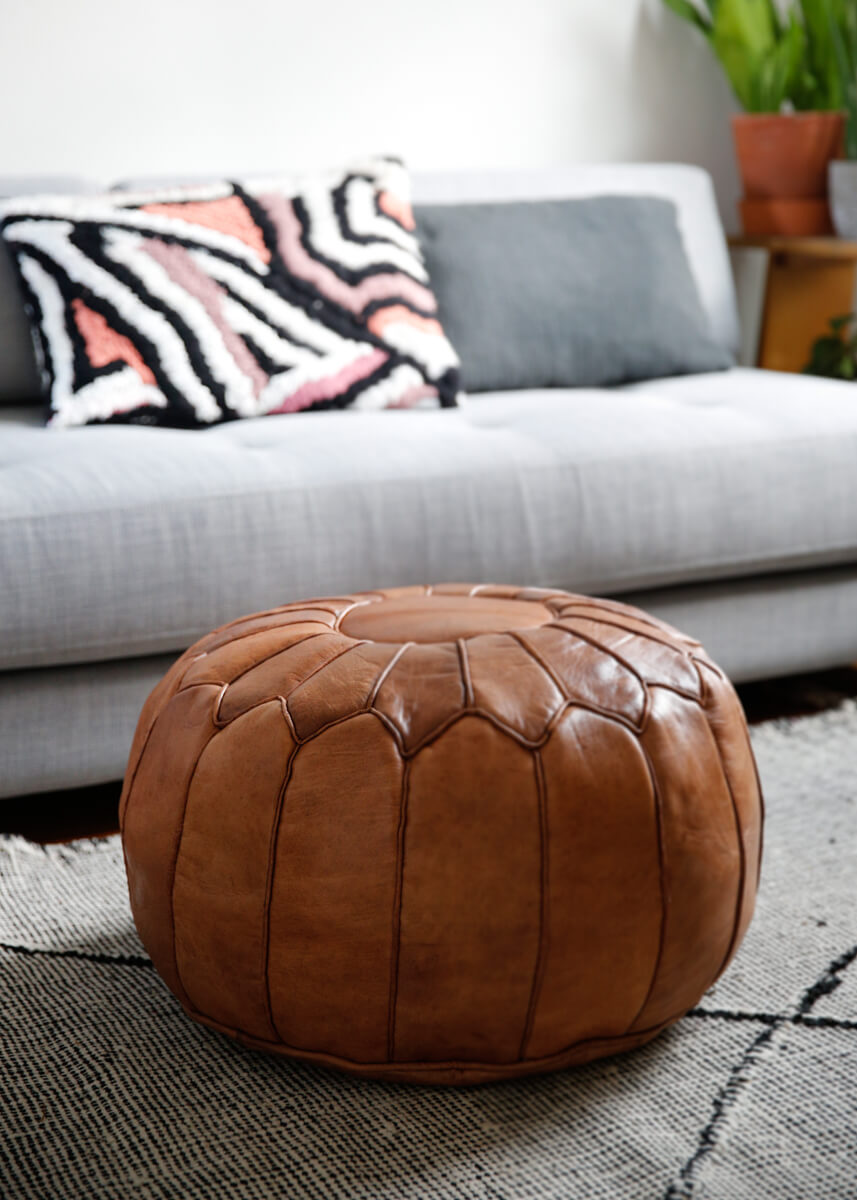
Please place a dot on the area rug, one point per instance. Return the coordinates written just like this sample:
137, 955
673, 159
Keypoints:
107, 1090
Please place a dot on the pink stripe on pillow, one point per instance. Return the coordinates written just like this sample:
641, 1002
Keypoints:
181, 268
332, 385
376, 287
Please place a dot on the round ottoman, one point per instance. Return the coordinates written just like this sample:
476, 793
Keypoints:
443, 835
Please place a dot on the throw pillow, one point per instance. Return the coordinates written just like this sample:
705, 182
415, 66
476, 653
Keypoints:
189, 306
566, 293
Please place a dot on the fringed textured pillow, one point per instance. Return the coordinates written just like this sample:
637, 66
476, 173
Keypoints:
185, 307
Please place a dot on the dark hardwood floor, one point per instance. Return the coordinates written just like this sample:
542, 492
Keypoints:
93, 811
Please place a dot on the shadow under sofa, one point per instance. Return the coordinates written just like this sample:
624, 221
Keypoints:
725, 503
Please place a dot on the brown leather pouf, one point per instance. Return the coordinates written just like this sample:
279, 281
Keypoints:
443, 835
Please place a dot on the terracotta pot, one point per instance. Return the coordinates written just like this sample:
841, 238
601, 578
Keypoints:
786, 216
787, 154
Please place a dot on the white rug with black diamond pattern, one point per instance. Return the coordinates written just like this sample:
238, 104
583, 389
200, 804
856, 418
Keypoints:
108, 1091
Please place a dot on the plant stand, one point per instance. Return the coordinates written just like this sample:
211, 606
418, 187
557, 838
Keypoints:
789, 288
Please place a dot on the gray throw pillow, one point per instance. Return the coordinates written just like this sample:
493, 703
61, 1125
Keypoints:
566, 293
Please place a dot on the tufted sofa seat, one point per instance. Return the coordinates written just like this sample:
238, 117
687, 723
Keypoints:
131, 542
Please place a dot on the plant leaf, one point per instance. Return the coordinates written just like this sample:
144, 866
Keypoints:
689, 11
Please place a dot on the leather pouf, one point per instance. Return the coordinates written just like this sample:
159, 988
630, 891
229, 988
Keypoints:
443, 835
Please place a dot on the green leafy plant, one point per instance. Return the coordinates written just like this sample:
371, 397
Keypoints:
843, 36
772, 57
760, 51
835, 354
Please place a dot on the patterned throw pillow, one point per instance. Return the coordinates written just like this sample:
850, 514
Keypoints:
190, 306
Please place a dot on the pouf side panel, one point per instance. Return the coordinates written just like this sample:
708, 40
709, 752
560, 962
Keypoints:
471, 898
333, 892
423, 690
220, 894
587, 673
604, 907
152, 824
281, 673
726, 719
702, 855
160, 695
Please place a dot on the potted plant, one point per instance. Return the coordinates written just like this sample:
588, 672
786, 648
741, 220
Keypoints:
782, 66
843, 172
835, 354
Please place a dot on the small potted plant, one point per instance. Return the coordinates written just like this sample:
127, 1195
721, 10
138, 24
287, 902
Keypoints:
835, 354
782, 66
843, 172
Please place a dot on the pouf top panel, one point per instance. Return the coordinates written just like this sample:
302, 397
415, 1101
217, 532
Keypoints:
441, 618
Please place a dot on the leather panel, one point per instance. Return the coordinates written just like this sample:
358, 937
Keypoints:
160, 695
653, 659
701, 854
153, 816
236, 657
471, 898
440, 618
725, 718
588, 674
332, 905
501, 671
281, 673
220, 894
632, 618
424, 690
341, 688
276, 619
604, 906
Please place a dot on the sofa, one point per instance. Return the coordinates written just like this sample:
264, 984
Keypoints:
724, 503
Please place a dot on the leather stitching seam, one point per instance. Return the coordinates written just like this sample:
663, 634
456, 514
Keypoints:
544, 868
396, 943
271, 867
742, 874
659, 821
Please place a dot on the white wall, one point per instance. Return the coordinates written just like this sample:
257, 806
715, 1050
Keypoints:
112, 88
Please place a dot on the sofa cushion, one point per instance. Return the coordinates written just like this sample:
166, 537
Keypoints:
566, 293
689, 188
121, 540
186, 307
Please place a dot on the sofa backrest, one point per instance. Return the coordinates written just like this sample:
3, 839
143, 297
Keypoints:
690, 188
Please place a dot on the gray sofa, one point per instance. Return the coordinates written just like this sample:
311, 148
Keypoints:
725, 503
